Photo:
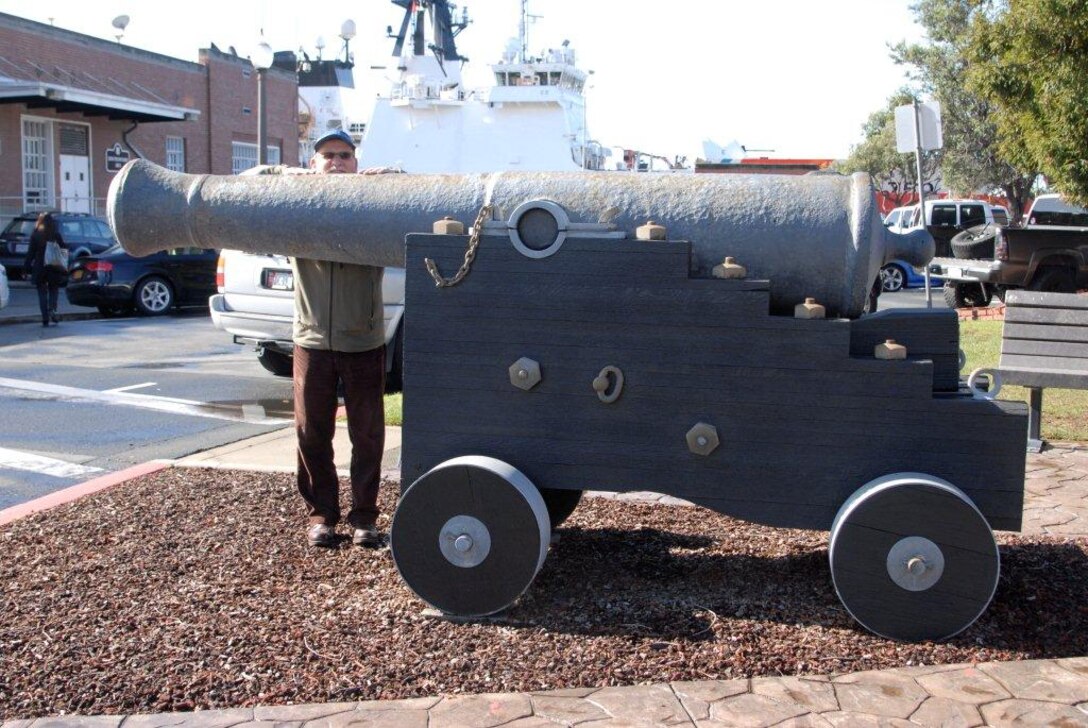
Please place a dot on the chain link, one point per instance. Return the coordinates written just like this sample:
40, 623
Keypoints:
470, 253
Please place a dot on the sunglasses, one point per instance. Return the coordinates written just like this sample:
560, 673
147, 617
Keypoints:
333, 155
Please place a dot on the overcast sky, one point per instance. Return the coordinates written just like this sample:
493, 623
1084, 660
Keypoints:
794, 76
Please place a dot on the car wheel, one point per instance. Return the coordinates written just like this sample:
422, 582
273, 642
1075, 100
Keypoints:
113, 311
280, 364
975, 243
966, 295
153, 296
893, 278
1053, 279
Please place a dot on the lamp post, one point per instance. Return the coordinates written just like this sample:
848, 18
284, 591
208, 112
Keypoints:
262, 61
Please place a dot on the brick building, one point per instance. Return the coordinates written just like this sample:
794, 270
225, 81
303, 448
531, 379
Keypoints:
74, 108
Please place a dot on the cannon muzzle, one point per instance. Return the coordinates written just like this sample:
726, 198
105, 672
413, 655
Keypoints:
815, 235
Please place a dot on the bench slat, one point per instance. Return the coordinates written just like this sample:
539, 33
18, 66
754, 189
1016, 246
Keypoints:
1077, 367
1038, 347
1044, 378
1045, 333
1056, 316
1046, 300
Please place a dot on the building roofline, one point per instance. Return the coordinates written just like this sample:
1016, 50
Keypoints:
70, 36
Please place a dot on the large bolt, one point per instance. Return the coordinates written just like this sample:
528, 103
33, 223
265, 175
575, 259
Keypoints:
729, 268
890, 350
650, 231
525, 373
463, 543
703, 438
448, 226
809, 310
916, 566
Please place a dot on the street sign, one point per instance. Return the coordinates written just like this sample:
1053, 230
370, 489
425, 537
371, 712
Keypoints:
929, 120
116, 157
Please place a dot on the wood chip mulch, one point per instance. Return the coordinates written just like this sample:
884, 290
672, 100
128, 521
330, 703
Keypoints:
195, 589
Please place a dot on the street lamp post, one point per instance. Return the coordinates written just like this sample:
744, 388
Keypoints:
262, 61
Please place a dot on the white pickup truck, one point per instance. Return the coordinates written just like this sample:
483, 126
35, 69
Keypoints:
256, 305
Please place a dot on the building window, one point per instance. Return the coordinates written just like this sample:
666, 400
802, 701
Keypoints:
37, 165
244, 156
175, 153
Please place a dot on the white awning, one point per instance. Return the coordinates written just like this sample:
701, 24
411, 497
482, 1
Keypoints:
37, 94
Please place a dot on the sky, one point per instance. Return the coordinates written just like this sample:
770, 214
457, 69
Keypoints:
794, 77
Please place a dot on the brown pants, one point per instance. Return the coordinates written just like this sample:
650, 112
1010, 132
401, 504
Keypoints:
317, 373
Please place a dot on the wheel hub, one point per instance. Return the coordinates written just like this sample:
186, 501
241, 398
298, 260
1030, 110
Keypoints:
915, 563
464, 541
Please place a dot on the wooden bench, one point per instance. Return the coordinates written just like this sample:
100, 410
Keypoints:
1044, 343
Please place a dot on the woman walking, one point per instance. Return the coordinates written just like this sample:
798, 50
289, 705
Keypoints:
47, 273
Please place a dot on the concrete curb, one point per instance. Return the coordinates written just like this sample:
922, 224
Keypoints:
75, 492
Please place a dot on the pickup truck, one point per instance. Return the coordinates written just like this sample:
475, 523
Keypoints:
256, 304
1048, 253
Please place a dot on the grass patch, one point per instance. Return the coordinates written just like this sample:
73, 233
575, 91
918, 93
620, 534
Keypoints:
1065, 411
393, 409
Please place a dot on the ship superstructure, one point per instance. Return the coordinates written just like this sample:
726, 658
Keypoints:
533, 118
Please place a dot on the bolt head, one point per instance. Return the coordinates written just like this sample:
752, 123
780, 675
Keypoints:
525, 373
703, 438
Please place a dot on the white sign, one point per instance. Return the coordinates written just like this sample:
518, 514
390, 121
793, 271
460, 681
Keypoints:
929, 118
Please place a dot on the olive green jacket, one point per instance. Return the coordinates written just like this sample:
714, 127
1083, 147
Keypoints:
338, 306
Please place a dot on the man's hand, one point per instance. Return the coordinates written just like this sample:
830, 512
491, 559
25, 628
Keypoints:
274, 169
382, 170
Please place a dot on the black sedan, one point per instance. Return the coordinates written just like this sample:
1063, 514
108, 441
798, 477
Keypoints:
115, 282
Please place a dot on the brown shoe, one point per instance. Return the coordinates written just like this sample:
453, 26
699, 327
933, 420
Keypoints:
367, 535
321, 535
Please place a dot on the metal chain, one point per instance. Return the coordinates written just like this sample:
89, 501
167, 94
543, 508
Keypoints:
470, 253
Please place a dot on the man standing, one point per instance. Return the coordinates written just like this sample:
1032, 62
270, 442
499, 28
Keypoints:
339, 336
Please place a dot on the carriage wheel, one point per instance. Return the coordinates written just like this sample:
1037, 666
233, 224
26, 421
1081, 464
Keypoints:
470, 535
912, 558
560, 503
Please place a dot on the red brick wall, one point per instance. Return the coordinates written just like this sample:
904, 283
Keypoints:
216, 88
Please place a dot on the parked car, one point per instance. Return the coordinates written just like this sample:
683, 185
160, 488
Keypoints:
946, 218
83, 235
5, 292
898, 219
117, 283
256, 304
899, 274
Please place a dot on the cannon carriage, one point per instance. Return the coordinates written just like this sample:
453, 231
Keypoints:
568, 355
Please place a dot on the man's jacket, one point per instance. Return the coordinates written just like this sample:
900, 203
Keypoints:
338, 306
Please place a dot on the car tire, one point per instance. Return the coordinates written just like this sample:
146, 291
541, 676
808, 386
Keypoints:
966, 295
113, 311
1053, 279
276, 362
153, 296
893, 278
975, 243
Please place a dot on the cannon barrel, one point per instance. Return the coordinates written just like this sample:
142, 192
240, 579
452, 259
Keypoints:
815, 235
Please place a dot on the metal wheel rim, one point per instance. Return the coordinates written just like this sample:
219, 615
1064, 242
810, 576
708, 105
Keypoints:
891, 278
155, 296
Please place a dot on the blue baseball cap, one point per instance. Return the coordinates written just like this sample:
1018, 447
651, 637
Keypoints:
337, 134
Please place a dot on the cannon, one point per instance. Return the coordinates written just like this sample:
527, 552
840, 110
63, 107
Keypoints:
580, 348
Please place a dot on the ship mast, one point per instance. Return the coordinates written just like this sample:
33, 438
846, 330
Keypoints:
523, 30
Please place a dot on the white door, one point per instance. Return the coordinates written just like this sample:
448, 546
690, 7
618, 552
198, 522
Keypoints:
75, 183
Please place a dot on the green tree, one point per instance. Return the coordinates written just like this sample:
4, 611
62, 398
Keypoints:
1029, 59
876, 154
977, 156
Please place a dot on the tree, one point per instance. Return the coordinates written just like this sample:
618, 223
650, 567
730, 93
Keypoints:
876, 154
976, 155
1029, 59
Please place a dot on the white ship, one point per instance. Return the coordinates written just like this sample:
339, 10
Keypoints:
533, 118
